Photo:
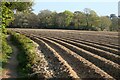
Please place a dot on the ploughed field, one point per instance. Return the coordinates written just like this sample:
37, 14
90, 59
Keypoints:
79, 54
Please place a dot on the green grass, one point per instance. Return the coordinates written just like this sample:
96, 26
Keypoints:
26, 55
5, 51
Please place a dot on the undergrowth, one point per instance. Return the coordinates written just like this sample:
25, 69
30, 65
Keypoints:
6, 50
26, 55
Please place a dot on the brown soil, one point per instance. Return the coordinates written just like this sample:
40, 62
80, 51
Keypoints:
90, 54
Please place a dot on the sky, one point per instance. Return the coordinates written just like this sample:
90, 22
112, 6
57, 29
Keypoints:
101, 7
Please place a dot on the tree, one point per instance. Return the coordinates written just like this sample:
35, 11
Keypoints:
114, 26
8, 9
87, 20
105, 23
78, 20
92, 19
87, 13
45, 18
67, 18
22, 20
59, 20
33, 20
18, 21
63, 19
7, 15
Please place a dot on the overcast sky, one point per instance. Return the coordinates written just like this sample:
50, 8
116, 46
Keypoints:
102, 7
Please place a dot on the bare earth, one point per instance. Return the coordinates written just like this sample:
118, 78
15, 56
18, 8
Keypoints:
11, 67
89, 54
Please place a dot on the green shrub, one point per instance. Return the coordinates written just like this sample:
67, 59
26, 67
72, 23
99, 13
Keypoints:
6, 50
26, 56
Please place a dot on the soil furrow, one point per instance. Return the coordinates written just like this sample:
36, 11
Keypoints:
108, 66
112, 50
60, 67
89, 56
79, 64
102, 53
107, 45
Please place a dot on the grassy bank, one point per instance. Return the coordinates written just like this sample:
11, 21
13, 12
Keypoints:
6, 51
26, 55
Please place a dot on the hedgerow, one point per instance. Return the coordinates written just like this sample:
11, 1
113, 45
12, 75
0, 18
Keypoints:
6, 50
26, 55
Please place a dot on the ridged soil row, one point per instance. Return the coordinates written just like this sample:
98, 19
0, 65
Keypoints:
108, 66
81, 66
100, 38
102, 53
72, 37
107, 45
105, 48
60, 67
114, 70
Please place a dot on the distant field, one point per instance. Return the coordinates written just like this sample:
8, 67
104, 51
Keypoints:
90, 54
94, 36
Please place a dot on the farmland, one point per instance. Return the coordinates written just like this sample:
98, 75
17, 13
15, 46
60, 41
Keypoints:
59, 41
79, 54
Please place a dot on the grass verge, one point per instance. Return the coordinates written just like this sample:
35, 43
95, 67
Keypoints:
26, 55
5, 51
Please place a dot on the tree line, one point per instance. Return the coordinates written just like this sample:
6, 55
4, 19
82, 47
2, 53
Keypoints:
78, 20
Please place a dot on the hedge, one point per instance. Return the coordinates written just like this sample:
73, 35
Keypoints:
26, 55
6, 50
